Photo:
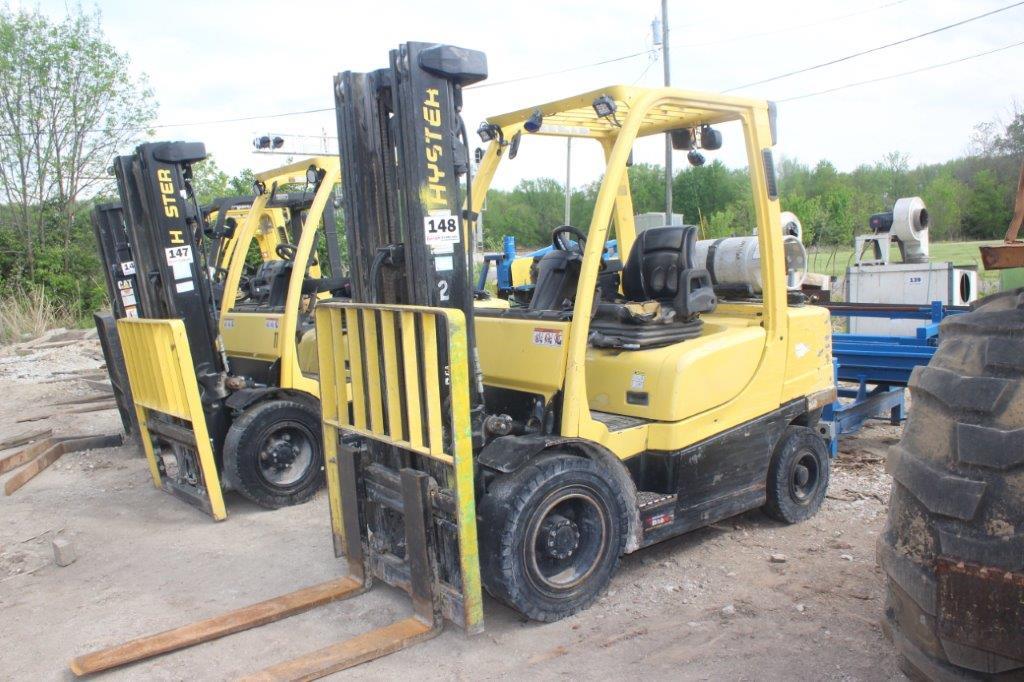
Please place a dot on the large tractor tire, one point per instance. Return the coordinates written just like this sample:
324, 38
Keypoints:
958, 501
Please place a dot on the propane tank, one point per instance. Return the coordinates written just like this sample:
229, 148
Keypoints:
791, 225
736, 261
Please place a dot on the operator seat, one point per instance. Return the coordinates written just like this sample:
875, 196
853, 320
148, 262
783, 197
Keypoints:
269, 286
558, 273
664, 294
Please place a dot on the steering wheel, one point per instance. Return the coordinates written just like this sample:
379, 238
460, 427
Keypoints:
286, 251
560, 241
244, 292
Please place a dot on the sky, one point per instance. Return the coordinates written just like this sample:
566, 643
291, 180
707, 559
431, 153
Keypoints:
209, 60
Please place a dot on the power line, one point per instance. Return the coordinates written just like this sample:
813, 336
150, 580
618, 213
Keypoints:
238, 120
559, 71
904, 73
284, 114
792, 27
876, 49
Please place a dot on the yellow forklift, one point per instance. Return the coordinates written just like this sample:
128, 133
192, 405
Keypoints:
219, 360
525, 449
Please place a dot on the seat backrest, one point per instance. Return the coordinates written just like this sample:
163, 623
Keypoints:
269, 286
558, 273
657, 257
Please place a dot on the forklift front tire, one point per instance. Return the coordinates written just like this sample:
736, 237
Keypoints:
551, 535
273, 453
797, 476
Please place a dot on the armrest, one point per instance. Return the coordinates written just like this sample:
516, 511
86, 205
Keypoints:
695, 293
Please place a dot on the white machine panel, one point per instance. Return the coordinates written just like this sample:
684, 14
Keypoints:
906, 283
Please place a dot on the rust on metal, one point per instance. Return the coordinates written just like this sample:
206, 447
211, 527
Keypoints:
981, 606
1009, 254
1003, 256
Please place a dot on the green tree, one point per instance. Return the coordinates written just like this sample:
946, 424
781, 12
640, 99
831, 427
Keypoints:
987, 211
68, 102
945, 196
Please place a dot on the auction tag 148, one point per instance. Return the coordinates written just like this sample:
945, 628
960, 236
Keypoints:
441, 227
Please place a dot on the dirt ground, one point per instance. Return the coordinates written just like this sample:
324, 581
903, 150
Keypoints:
713, 604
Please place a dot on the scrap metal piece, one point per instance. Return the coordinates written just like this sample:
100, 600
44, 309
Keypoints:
981, 606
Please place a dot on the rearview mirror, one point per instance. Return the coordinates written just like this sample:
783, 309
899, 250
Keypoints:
513, 147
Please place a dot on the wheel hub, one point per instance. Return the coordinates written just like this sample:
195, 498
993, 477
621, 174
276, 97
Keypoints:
280, 453
802, 475
560, 537
804, 478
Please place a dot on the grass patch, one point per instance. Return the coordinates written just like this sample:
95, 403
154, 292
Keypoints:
28, 313
834, 261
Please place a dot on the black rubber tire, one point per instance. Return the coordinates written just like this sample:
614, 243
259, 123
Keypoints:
958, 488
787, 500
244, 442
508, 512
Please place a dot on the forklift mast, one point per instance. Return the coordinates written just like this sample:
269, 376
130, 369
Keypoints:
404, 156
116, 254
164, 226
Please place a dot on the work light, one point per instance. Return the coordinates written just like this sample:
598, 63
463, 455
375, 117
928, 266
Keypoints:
604, 106
487, 131
312, 175
710, 138
535, 121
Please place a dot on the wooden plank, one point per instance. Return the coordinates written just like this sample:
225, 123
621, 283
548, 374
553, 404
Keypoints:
24, 438
58, 450
82, 409
219, 626
349, 653
15, 460
95, 385
82, 400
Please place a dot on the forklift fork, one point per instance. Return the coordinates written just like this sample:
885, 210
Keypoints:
425, 623
401, 345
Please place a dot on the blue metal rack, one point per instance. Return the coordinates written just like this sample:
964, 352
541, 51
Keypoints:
879, 366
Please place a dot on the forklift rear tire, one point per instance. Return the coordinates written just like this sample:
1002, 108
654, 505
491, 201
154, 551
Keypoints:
273, 453
797, 476
551, 535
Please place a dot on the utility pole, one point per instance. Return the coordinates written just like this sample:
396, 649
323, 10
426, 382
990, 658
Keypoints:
568, 184
668, 136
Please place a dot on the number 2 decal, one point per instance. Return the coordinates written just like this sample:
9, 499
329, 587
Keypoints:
442, 285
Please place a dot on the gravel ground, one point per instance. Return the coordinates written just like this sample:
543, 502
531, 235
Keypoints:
747, 598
